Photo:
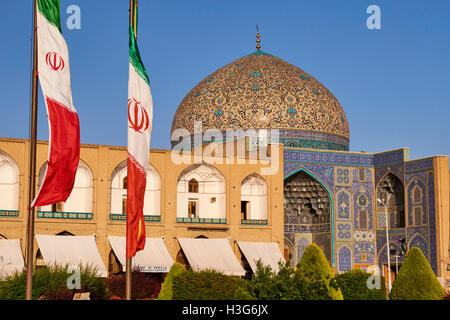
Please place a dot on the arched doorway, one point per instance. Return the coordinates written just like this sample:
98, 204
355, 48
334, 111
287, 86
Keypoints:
307, 213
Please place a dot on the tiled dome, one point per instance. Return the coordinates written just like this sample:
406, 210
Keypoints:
260, 91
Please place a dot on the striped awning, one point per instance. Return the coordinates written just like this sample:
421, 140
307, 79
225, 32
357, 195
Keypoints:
71, 251
211, 254
268, 252
154, 258
11, 257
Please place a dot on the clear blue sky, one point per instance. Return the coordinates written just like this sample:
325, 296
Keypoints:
393, 83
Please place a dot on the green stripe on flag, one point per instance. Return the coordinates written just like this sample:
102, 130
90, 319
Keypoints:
135, 58
51, 11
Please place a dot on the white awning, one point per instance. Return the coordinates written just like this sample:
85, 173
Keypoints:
268, 252
154, 258
11, 257
211, 254
71, 250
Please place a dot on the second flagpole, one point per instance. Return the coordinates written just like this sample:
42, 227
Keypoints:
129, 261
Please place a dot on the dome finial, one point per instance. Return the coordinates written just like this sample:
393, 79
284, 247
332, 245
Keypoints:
257, 38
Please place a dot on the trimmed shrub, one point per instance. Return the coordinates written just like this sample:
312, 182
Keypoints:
315, 270
353, 285
208, 285
285, 285
416, 280
52, 282
447, 296
166, 288
143, 285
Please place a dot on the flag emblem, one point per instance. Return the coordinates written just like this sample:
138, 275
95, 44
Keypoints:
133, 117
55, 61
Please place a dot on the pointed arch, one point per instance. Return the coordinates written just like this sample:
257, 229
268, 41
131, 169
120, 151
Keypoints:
209, 200
119, 181
81, 197
391, 184
9, 182
331, 209
345, 258
254, 198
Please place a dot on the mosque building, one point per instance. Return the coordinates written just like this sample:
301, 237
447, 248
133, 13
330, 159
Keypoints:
322, 192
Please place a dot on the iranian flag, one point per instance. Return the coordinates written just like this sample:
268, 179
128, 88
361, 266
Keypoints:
140, 115
64, 128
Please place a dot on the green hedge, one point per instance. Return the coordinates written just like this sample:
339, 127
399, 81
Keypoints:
52, 282
416, 280
208, 285
353, 285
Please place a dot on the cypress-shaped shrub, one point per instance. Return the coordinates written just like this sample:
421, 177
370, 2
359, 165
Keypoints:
167, 286
208, 285
315, 270
416, 280
353, 285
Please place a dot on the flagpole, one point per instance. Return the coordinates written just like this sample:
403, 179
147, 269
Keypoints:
32, 168
128, 261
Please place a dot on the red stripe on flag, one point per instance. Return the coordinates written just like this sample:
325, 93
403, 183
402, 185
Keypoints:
64, 154
135, 207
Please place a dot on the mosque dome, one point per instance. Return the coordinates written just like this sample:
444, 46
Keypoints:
261, 91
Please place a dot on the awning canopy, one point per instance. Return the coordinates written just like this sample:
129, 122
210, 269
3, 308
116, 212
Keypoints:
11, 257
154, 258
71, 250
268, 252
211, 254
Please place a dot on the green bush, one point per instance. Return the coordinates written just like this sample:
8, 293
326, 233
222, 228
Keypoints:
416, 280
167, 286
268, 285
208, 285
315, 270
52, 282
353, 285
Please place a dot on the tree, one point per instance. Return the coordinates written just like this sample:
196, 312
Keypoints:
353, 285
416, 280
166, 292
314, 268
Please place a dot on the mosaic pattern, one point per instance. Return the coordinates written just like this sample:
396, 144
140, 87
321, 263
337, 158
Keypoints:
261, 91
327, 158
344, 231
417, 201
362, 200
366, 236
345, 258
9, 213
364, 252
419, 242
343, 176
343, 205
432, 222
420, 165
324, 173
391, 157
397, 170
65, 215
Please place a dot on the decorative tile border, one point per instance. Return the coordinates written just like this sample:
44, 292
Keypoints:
123, 217
9, 213
201, 220
260, 222
65, 215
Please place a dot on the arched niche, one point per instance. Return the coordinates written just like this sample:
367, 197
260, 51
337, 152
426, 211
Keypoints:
308, 205
119, 182
254, 198
9, 183
81, 197
391, 193
209, 200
